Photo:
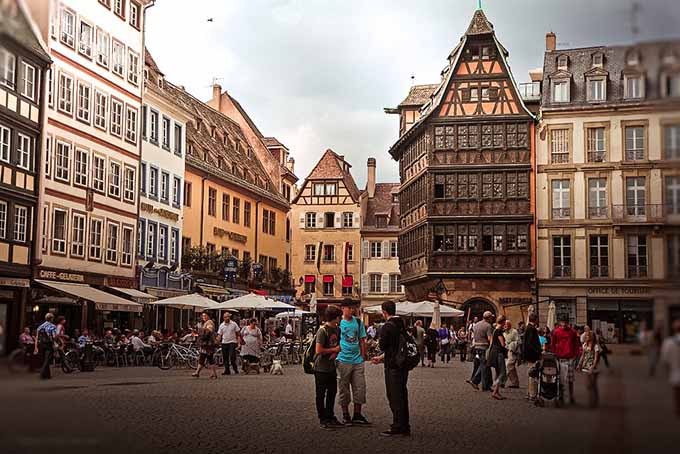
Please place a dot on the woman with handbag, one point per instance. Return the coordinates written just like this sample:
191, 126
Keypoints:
588, 365
206, 352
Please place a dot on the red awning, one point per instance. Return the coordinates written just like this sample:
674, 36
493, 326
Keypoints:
327, 279
348, 281
310, 278
260, 292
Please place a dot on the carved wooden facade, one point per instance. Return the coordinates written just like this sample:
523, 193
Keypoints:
466, 170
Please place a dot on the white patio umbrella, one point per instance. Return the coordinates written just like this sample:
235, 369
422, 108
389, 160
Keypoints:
551, 315
421, 309
253, 302
297, 313
191, 301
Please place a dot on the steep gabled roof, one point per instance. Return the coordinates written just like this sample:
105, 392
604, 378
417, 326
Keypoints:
383, 204
418, 95
331, 166
17, 24
479, 26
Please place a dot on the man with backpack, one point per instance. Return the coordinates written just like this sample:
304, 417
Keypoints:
350, 365
44, 342
327, 348
399, 355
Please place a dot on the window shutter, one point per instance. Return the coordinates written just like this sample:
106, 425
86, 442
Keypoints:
385, 249
364, 284
385, 285
357, 219
364, 249
319, 220
338, 220
302, 220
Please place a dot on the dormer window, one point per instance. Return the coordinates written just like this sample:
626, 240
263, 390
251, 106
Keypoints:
598, 59
597, 89
560, 90
668, 57
160, 82
562, 63
633, 58
670, 84
634, 86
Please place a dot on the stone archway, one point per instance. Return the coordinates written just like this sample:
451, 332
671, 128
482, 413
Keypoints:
477, 306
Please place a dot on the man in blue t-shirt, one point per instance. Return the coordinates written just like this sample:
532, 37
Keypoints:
350, 365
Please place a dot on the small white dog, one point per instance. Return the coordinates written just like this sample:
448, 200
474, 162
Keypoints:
276, 367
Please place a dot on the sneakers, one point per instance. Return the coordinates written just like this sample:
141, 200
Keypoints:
474, 385
347, 419
360, 420
334, 424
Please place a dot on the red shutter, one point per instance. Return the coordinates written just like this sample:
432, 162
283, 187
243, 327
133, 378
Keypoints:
327, 279
347, 281
309, 278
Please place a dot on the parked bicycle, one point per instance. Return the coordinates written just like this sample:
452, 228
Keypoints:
169, 355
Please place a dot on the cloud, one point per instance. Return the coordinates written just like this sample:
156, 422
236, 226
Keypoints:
317, 74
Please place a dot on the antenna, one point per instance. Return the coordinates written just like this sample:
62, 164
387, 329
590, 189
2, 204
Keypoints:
215, 80
635, 9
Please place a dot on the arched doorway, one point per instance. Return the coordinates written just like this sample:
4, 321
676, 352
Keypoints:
477, 307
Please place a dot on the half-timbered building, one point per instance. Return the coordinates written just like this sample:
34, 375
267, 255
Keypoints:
466, 197
326, 235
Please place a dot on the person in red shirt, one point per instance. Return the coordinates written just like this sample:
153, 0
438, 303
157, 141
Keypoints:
564, 343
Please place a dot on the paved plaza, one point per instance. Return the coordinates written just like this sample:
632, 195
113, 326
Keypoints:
146, 410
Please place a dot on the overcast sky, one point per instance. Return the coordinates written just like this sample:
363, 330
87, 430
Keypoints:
317, 73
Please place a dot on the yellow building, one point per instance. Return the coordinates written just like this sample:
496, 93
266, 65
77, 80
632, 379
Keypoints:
608, 185
231, 205
325, 232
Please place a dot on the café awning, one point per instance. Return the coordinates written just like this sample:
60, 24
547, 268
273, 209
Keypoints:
103, 301
135, 295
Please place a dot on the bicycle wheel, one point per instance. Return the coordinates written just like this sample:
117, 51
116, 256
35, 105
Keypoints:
69, 362
192, 362
17, 361
166, 360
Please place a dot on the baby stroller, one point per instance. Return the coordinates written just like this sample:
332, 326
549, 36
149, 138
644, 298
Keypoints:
549, 387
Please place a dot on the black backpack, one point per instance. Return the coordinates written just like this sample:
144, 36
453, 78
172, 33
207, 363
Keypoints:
309, 355
407, 356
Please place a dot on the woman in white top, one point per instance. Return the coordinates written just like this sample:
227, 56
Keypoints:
590, 359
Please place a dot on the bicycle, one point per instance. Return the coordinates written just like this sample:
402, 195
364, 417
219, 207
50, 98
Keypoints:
169, 355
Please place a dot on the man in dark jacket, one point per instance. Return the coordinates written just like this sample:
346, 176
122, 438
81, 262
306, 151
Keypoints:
396, 376
531, 349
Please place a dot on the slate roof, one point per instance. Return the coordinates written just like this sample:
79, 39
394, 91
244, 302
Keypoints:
383, 203
331, 166
418, 95
651, 65
215, 143
273, 142
16, 24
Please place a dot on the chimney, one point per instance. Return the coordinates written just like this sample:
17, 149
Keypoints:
291, 164
370, 182
217, 97
550, 41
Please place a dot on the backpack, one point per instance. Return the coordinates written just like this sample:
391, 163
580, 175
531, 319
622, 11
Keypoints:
309, 356
407, 355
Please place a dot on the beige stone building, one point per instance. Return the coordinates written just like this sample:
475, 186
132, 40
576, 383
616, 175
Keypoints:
325, 232
608, 186
380, 275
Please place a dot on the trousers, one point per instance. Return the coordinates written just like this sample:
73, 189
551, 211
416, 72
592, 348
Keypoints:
229, 357
351, 375
397, 395
481, 372
326, 388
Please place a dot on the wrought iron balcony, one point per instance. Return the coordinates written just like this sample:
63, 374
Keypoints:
637, 270
562, 271
597, 156
559, 158
599, 271
561, 213
640, 213
598, 212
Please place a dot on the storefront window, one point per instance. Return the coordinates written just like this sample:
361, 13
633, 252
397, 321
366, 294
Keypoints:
620, 320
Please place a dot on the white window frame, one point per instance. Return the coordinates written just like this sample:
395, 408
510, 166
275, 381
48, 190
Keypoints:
119, 8
375, 283
162, 242
133, 16
67, 28
596, 89
21, 228
310, 220
50, 87
597, 198
563, 92
62, 171
78, 231
347, 220
114, 179
103, 49
133, 67
174, 240
127, 250
636, 195
59, 244
629, 92
561, 198
65, 94
28, 82
597, 144
310, 252
99, 173
131, 124
671, 141
45, 223
151, 232
118, 58
83, 102
95, 236
85, 38
48, 156
100, 109
375, 249
112, 238
8, 64
129, 184
24, 151
634, 153
81, 166
116, 122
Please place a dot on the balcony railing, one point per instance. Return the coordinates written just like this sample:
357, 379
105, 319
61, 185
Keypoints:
559, 158
530, 91
649, 213
598, 212
561, 213
597, 156
599, 271
562, 271
637, 270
